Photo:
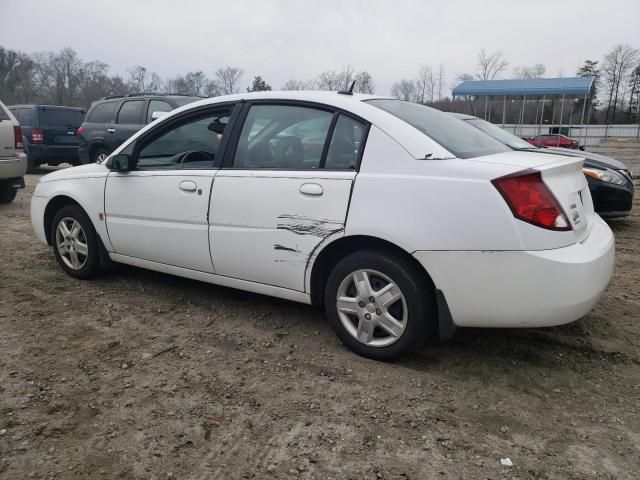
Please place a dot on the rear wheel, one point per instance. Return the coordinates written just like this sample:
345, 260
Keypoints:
380, 305
99, 155
7, 193
75, 242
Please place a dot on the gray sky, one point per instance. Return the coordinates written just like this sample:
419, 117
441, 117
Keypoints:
282, 39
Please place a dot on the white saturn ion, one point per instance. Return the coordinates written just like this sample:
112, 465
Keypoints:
404, 222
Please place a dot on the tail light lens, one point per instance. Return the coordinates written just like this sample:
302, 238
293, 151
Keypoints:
37, 136
531, 201
80, 130
17, 135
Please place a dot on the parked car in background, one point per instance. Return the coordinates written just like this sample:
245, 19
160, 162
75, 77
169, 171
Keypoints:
407, 222
610, 181
49, 133
553, 140
13, 161
112, 120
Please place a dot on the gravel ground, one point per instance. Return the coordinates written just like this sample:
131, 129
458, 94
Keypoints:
140, 375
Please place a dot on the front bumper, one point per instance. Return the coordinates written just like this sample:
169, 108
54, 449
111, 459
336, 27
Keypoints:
13, 167
38, 205
523, 288
609, 199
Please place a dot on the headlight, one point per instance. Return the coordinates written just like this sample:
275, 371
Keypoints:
608, 176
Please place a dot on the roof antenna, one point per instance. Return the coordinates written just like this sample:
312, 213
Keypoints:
348, 92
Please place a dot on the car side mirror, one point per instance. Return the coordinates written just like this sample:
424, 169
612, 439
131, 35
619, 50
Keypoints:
156, 115
120, 163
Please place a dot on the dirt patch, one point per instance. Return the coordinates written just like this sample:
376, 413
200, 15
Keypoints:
140, 375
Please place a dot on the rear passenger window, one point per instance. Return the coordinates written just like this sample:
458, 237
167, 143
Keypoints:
157, 106
282, 137
130, 112
346, 143
102, 113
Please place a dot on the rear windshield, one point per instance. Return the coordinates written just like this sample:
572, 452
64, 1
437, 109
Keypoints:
463, 140
505, 137
60, 118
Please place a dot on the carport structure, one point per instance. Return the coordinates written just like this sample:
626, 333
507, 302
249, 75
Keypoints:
566, 88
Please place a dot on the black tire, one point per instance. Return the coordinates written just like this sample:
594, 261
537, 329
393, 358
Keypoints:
97, 153
91, 266
7, 193
31, 165
417, 290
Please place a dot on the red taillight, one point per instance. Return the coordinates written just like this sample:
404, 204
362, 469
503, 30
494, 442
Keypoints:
37, 135
17, 135
531, 201
80, 130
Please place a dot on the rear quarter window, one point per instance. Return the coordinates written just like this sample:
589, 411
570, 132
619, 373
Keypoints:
102, 112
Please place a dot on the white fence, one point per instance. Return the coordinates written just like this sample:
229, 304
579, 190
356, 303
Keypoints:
588, 135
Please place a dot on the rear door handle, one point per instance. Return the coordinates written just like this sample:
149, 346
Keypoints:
111, 130
188, 186
311, 189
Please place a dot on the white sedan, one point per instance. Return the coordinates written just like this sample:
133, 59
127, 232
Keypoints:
402, 221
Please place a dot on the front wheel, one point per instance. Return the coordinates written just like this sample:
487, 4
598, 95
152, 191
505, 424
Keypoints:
380, 304
75, 242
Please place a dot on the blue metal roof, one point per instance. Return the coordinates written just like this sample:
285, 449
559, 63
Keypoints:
536, 86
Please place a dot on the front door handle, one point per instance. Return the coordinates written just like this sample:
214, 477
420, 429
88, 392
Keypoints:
311, 189
111, 129
188, 186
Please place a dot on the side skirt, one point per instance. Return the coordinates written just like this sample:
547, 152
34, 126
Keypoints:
215, 279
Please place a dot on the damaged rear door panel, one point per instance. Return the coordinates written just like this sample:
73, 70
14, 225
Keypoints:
264, 225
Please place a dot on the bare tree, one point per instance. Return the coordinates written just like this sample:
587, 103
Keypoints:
634, 96
440, 82
424, 84
141, 80
617, 64
294, 85
364, 83
535, 71
228, 78
404, 90
330, 80
490, 65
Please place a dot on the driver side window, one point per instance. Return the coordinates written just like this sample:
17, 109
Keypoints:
191, 143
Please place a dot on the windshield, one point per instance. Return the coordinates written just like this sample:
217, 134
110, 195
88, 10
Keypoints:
58, 117
463, 140
498, 133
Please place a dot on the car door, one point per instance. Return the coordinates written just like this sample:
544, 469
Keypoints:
284, 188
127, 122
159, 211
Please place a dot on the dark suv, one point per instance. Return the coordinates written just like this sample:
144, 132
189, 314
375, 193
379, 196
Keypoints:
49, 133
111, 120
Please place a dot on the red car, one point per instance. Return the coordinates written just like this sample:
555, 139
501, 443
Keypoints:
552, 140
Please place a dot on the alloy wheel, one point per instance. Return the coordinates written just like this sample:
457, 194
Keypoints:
372, 308
71, 243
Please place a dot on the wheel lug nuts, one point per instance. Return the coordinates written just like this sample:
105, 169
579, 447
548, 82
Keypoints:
371, 299
361, 304
367, 316
378, 312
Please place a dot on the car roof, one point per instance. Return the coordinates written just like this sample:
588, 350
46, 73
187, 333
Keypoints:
410, 138
462, 116
52, 107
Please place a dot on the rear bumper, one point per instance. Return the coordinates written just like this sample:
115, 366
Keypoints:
13, 167
42, 153
524, 288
